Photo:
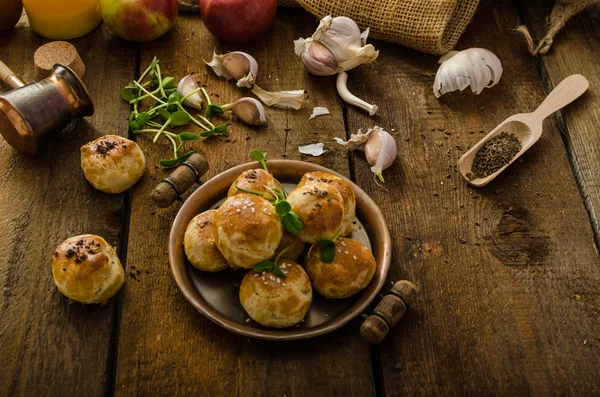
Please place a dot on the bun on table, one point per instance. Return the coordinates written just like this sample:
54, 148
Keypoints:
87, 269
112, 164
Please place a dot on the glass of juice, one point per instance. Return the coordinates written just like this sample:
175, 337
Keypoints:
63, 19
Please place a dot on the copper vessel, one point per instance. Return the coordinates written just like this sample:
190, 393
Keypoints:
31, 114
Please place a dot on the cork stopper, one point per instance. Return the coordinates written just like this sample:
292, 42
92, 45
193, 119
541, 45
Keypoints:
50, 54
388, 312
180, 180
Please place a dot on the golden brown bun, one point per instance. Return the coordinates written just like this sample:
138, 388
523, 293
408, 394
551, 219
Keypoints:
288, 239
258, 180
199, 244
345, 190
350, 271
112, 164
87, 269
320, 208
246, 230
277, 302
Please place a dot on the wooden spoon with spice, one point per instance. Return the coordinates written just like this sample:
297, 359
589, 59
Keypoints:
509, 140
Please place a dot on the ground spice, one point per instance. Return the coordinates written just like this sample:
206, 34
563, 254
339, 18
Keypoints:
104, 147
494, 154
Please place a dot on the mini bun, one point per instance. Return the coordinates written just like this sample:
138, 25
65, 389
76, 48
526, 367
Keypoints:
287, 240
320, 207
246, 230
345, 190
199, 244
275, 301
87, 269
350, 271
258, 180
112, 164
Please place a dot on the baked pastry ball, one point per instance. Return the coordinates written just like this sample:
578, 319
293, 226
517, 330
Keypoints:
274, 301
320, 208
296, 249
258, 180
112, 164
345, 190
199, 244
350, 271
246, 230
87, 269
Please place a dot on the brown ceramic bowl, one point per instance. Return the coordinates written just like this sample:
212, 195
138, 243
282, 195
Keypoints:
216, 294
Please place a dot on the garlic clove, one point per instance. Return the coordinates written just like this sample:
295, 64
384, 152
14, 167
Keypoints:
237, 65
249, 110
380, 150
474, 67
186, 88
318, 60
284, 99
350, 98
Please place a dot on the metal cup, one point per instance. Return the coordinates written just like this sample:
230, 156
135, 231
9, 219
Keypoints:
31, 114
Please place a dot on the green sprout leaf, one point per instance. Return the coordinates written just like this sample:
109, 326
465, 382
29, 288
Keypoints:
127, 95
220, 129
327, 250
277, 271
259, 156
173, 98
282, 207
168, 82
179, 118
213, 109
188, 136
163, 112
174, 162
134, 125
292, 223
142, 118
264, 266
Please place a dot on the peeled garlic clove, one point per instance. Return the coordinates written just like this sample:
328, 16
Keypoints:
380, 150
475, 67
185, 87
249, 110
284, 99
318, 60
350, 98
237, 65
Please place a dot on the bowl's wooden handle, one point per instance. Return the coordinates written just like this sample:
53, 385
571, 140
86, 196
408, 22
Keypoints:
388, 312
172, 187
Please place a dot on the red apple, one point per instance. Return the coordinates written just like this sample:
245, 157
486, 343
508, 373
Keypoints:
238, 21
139, 20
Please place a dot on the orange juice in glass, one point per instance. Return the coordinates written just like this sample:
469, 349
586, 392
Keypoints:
63, 19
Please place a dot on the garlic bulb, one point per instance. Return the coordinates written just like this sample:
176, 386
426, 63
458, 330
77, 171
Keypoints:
249, 110
475, 67
238, 65
350, 98
380, 150
341, 37
284, 99
188, 88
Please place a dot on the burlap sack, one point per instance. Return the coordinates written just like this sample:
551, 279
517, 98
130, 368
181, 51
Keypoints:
432, 26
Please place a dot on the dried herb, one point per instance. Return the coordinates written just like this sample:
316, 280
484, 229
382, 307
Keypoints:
494, 154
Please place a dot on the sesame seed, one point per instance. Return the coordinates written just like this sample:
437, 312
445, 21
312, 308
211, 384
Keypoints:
247, 320
346, 252
263, 277
245, 207
354, 257
256, 274
238, 210
284, 271
343, 243
266, 283
284, 284
252, 209
263, 273
278, 280
340, 251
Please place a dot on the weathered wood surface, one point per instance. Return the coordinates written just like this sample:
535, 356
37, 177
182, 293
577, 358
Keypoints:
575, 50
165, 345
508, 274
49, 347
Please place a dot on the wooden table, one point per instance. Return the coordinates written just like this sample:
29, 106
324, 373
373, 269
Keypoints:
509, 275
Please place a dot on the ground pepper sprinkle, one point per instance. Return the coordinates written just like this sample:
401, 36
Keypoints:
494, 154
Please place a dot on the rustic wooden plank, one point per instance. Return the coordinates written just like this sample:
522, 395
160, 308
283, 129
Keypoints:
51, 347
508, 274
575, 50
165, 346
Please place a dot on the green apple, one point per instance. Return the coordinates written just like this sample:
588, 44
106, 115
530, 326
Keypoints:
139, 20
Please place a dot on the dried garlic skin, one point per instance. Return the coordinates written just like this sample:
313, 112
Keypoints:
284, 99
475, 67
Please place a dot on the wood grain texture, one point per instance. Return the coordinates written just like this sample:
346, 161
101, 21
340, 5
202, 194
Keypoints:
50, 347
165, 346
575, 50
508, 274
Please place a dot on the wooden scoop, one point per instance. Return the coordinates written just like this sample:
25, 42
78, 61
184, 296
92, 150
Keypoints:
527, 127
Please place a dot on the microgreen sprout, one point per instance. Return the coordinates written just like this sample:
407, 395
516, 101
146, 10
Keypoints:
272, 266
259, 156
328, 248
